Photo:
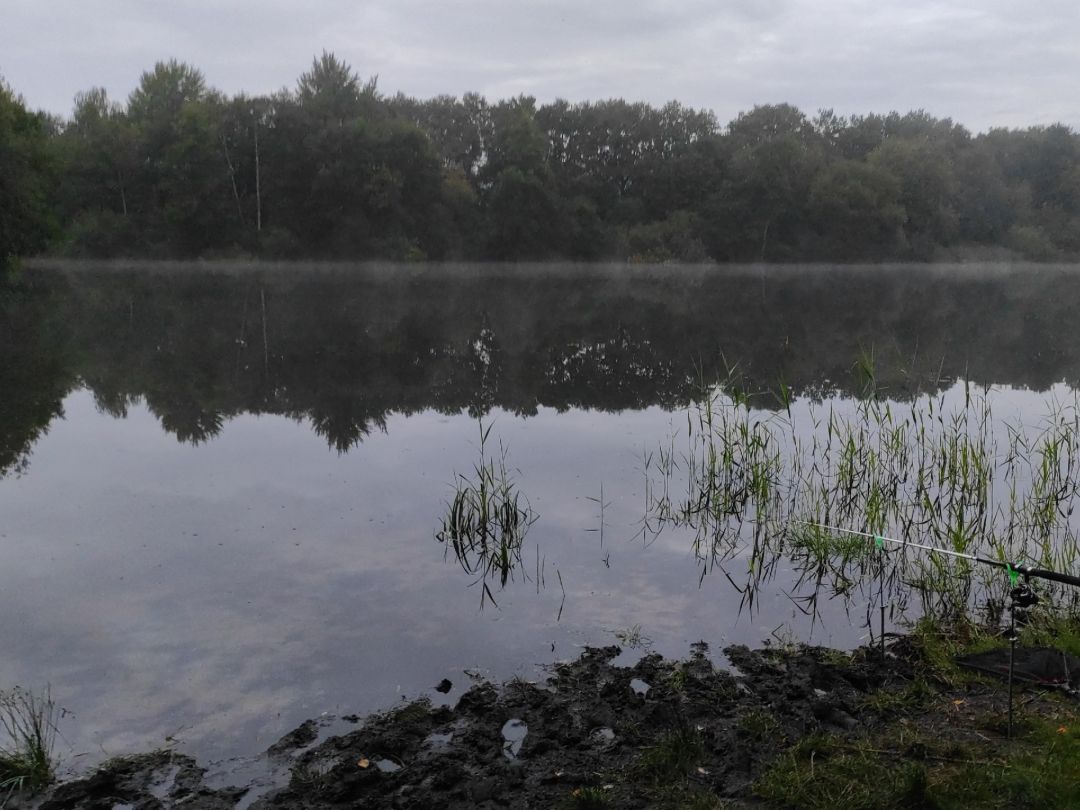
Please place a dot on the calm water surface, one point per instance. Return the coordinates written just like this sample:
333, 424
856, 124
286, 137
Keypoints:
221, 487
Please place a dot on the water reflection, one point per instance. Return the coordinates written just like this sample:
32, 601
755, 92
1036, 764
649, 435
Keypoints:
36, 373
759, 488
247, 577
346, 347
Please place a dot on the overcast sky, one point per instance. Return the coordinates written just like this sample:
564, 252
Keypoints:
983, 63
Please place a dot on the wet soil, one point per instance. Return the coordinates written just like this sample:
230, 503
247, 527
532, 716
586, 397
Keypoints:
593, 732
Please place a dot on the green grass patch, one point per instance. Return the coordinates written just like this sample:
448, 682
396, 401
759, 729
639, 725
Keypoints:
28, 726
1058, 630
901, 768
822, 544
910, 697
937, 643
672, 756
759, 725
587, 798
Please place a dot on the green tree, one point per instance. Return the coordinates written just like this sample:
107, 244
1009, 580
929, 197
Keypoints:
856, 211
927, 192
455, 126
331, 92
183, 195
100, 162
27, 221
523, 217
761, 211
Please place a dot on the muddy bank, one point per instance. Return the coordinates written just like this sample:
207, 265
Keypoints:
659, 733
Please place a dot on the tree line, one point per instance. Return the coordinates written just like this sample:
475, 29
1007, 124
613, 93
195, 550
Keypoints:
334, 168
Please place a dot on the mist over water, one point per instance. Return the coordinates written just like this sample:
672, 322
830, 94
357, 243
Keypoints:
222, 484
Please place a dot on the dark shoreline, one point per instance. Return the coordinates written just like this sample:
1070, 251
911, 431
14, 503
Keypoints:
697, 736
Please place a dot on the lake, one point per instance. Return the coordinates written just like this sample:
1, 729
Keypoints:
222, 485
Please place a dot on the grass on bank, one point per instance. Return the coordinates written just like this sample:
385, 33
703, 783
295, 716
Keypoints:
28, 723
905, 768
931, 754
671, 757
933, 738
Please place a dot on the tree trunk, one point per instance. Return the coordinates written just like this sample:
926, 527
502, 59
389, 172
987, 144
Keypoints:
123, 195
258, 187
232, 179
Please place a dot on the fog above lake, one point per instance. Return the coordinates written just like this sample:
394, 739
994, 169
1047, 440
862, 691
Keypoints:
346, 346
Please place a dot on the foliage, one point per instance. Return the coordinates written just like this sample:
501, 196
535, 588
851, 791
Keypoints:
26, 179
334, 168
771, 485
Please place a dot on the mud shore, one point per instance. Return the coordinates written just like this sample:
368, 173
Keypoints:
659, 733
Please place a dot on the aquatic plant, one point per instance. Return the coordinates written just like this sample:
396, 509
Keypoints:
28, 722
486, 520
632, 637
939, 469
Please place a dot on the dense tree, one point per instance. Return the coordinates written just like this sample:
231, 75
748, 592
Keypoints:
455, 126
762, 210
26, 178
101, 162
927, 187
857, 212
332, 168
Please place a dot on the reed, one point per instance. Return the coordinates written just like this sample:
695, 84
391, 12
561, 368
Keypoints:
486, 520
29, 724
939, 469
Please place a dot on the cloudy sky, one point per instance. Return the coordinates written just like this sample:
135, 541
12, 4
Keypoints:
982, 62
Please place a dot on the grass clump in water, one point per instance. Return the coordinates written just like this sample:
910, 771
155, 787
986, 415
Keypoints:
28, 723
938, 469
486, 520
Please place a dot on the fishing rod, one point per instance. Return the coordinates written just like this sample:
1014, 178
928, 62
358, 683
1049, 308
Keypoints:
1013, 569
1020, 596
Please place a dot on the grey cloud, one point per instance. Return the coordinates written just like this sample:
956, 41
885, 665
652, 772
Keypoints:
992, 63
